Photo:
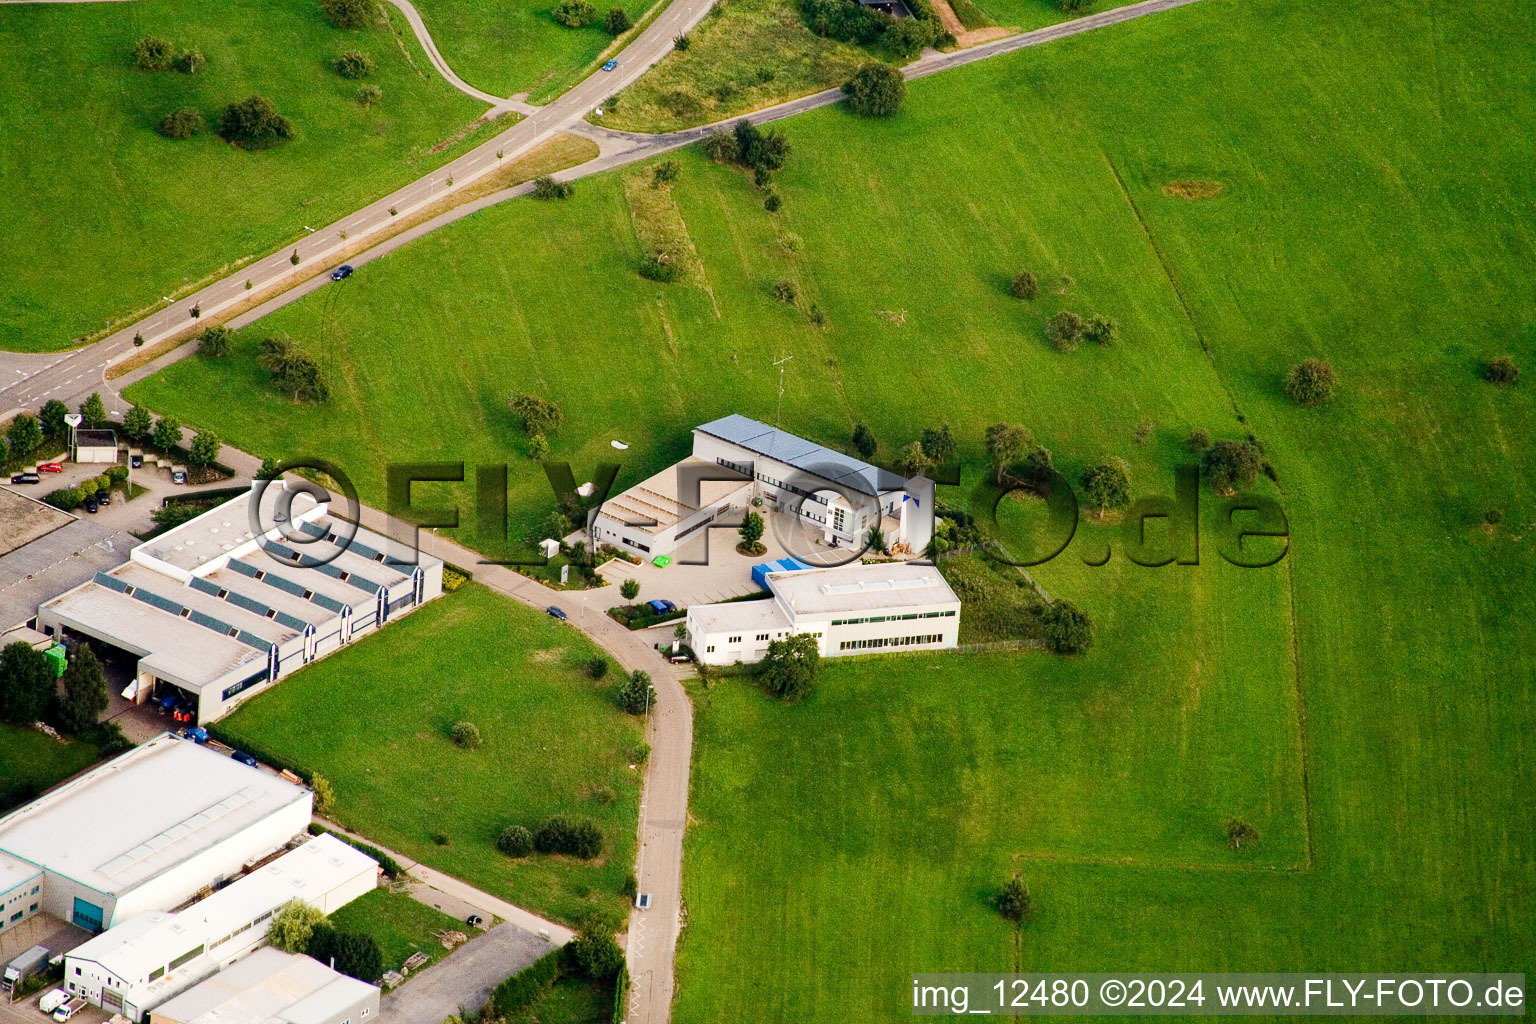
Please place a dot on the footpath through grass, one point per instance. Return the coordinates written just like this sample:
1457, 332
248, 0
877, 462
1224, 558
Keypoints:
375, 720
103, 216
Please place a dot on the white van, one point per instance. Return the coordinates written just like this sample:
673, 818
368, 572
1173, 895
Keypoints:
51, 1001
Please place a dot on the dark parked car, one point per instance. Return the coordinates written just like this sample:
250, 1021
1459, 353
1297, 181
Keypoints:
662, 607
555, 611
104, 497
91, 504
341, 273
136, 461
243, 757
25, 478
197, 734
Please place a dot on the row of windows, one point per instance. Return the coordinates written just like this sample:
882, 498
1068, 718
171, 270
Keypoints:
890, 641
636, 544
895, 618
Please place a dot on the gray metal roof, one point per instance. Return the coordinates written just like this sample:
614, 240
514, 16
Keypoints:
807, 456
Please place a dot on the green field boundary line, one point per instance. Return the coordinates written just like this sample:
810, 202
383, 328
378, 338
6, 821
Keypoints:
1302, 868
1303, 737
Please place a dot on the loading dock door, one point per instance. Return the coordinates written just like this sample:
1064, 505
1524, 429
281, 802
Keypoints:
88, 915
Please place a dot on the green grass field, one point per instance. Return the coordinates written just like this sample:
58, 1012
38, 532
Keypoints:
31, 762
1371, 216
375, 718
103, 216
399, 923
507, 48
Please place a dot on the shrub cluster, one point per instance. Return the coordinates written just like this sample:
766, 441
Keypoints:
181, 124
660, 266
575, 13
1066, 329
876, 90
617, 21
254, 123
576, 837
353, 64
548, 188
351, 13
294, 372
1310, 382
515, 841
1068, 630
851, 22
1501, 371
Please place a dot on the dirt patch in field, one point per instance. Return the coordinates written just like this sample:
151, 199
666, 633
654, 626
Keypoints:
548, 654
963, 36
1193, 190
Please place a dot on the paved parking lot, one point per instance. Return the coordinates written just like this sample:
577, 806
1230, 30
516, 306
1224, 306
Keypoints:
465, 979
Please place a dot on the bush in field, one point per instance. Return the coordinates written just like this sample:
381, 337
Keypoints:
539, 416
1101, 329
1501, 371
214, 342
1310, 382
181, 124
1067, 629
597, 667
596, 954
353, 64
153, 54
617, 21
466, 735
863, 439
1014, 902
254, 123
876, 90
720, 146
577, 837
636, 696
681, 42
515, 841
575, 13
1241, 833
294, 372
548, 188
661, 267
1065, 330
369, 94
191, 62
666, 172
1198, 442
1229, 465
1024, 285
351, 13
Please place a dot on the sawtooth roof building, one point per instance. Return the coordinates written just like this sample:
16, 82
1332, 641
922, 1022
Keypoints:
215, 612
273, 987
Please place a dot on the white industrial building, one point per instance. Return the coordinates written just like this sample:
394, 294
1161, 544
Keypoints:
273, 987
135, 966
850, 609
143, 832
836, 496
215, 613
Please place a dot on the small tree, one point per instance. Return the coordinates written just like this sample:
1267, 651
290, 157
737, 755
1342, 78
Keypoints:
93, 411
538, 447
153, 54
137, 423
214, 342
1014, 902
791, 666
1101, 330
637, 695
597, 667
1229, 465
913, 461
720, 146
293, 925
1038, 465
630, 589
167, 434
1067, 629
751, 532
1240, 834
876, 90
466, 735
191, 62
353, 64
351, 13
369, 95
539, 414
268, 469
1006, 444
665, 173
773, 202
939, 444
181, 124
1198, 442
1144, 430
51, 419
85, 691
617, 21
254, 123
23, 436
325, 793
546, 187
1501, 371
863, 440
1108, 485
27, 684
515, 841
1024, 286
596, 954
204, 448
575, 13
1065, 330
681, 42
1310, 382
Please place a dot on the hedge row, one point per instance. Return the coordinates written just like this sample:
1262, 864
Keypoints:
620, 993
526, 987
256, 750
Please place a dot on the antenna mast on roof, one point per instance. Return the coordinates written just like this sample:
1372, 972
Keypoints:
779, 414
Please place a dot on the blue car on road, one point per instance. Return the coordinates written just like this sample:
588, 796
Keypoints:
342, 272
610, 65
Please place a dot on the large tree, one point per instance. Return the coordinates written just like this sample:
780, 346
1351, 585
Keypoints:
1108, 484
791, 667
293, 925
137, 423
876, 90
27, 684
1230, 465
939, 444
253, 123
204, 449
539, 414
93, 411
52, 419
1007, 443
85, 691
914, 460
636, 695
167, 433
24, 436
